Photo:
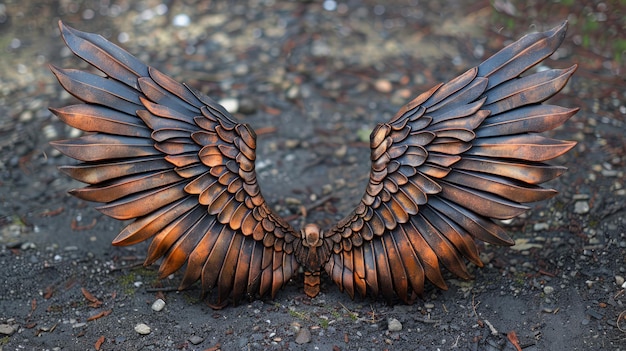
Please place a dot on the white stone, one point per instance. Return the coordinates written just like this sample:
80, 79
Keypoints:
230, 104
6, 329
142, 329
394, 325
158, 305
181, 20
581, 207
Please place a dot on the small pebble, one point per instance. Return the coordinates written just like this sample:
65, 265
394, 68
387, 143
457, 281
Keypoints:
619, 280
541, 226
181, 20
291, 143
582, 196
292, 92
304, 336
327, 189
610, 173
341, 151
142, 329
26, 116
581, 207
194, 339
548, 289
295, 327
595, 314
247, 106
27, 245
320, 49
241, 69
383, 86
230, 104
292, 201
158, 305
394, 325
6, 329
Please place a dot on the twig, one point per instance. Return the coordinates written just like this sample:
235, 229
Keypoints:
99, 315
474, 306
315, 162
318, 203
374, 320
265, 130
350, 313
77, 227
456, 342
428, 321
491, 327
166, 289
619, 318
217, 346
138, 264
52, 213
304, 210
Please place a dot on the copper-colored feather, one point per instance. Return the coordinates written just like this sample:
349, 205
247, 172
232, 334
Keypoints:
450, 161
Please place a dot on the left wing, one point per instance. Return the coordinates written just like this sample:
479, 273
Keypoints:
177, 163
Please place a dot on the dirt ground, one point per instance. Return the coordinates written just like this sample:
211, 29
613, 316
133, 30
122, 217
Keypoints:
314, 78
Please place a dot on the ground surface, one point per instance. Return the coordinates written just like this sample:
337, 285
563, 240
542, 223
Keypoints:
313, 78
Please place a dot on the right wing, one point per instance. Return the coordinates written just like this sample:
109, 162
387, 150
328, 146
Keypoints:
177, 163
447, 163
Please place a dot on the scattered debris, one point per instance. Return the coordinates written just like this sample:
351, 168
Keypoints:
99, 343
99, 315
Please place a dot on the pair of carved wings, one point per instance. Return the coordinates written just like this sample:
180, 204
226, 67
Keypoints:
182, 168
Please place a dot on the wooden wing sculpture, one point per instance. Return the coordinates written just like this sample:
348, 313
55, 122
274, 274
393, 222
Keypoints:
176, 162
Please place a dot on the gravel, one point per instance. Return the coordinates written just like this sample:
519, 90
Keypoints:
314, 78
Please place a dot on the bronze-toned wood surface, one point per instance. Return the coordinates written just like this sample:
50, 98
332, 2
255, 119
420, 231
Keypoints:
450, 161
